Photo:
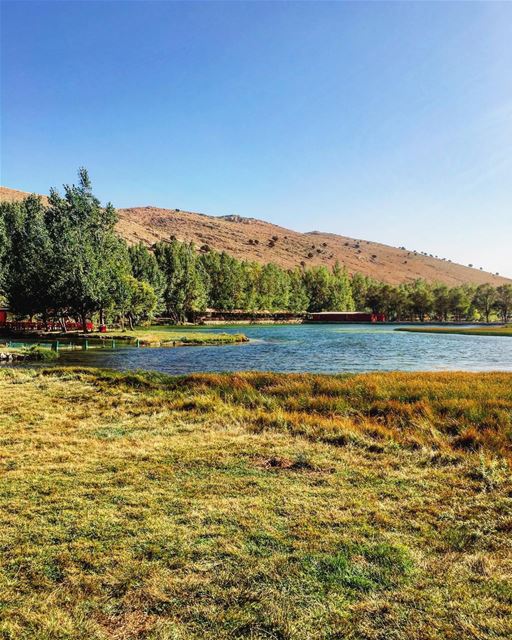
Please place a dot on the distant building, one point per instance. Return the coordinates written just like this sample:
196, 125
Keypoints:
345, 316
3, 316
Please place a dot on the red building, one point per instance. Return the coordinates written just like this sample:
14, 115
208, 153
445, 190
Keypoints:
345, 316
3, 316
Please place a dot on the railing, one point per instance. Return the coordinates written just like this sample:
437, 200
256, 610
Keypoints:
69, 345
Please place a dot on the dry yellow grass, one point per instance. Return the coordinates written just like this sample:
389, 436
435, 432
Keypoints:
298, 507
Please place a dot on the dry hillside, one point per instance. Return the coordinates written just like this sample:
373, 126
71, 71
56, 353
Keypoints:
265, 242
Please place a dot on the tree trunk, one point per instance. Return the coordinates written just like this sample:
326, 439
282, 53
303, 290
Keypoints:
130, 321
84, 323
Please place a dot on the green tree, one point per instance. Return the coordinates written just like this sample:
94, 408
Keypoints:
135, 299
4, 250
184, 292
30, 252
84, 246
317, 281
144, 267
298, 299
485, 300
459, 302
441, 304
359, 285
503, 301
340, 290
422, 299
273, 288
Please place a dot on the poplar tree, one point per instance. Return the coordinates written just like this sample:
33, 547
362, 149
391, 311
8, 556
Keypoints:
85, 247
26, 264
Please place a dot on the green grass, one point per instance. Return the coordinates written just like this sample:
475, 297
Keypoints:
505, 330
31, 353
171, 336
259, 506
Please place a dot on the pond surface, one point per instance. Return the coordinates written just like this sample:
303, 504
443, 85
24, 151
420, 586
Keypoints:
329, 348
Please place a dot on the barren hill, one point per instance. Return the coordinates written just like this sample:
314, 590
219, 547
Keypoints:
263, 242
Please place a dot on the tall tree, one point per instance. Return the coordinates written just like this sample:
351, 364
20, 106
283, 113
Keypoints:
298, 299
340, 290
144, 266
485, 299
503, 301
422, 299
83, 236
30, 251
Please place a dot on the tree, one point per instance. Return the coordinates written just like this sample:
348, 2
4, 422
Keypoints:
298, 299
185, 291
441, 301
84, 243
340, 290
30, 252
318, 286
135, 299
485, 299
459, 299
422, 299
227, 280
359, 285
144, 267
4, 251
503, 301
273, 288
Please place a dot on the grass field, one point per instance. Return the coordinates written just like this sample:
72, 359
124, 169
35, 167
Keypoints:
260, 506
505, 330
171, 336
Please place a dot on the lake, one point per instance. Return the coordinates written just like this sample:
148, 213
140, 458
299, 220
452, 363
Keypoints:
324, 348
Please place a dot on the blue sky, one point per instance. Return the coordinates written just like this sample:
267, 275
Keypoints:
384, 121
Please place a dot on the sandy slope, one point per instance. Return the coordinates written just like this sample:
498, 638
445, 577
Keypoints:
265, 242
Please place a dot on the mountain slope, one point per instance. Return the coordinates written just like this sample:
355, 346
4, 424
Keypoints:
263, 242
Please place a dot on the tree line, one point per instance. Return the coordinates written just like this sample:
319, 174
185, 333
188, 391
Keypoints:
65, 259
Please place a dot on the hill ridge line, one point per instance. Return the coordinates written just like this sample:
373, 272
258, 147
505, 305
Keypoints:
261, 241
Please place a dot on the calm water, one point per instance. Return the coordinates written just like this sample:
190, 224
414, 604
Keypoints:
315, 348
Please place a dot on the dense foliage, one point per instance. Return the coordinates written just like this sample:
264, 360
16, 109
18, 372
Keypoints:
65, 259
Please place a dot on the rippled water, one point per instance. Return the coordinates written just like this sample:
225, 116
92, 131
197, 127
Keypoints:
315, 348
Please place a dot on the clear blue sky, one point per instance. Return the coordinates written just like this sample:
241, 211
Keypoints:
385, 121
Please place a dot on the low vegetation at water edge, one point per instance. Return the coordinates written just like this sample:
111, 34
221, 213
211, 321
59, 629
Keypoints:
300, 507
165, 337
466, 331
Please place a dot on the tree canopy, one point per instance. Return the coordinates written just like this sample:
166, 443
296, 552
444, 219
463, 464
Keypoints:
66, 259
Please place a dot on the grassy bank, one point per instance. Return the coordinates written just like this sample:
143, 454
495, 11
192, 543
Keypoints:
472, 331
262, 506
156, 336
27, 354
153, 336
165, 336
